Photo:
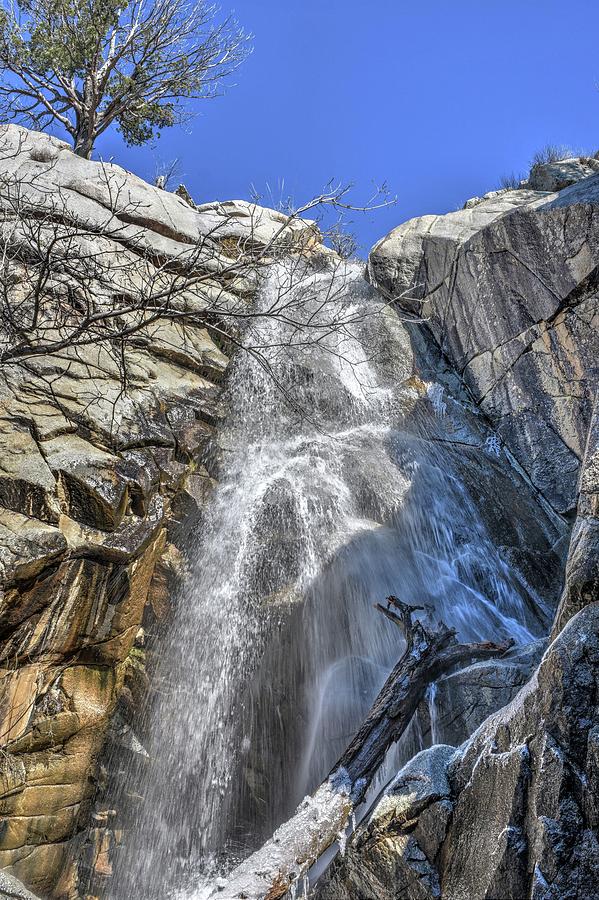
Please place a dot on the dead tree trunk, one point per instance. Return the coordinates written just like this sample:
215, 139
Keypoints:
318, 821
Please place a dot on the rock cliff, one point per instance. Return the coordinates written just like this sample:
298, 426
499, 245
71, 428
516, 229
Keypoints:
107, 458
508, 288
101, 459
512, 813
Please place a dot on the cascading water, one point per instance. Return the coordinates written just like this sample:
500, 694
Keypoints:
325, 505
431, 697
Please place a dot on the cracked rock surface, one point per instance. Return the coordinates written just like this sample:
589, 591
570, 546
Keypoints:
512, 813
510, 290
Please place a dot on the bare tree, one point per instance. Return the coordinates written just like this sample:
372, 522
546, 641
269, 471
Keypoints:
68, 289
83, 65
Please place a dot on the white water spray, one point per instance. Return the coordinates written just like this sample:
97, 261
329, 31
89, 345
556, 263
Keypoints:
276, 652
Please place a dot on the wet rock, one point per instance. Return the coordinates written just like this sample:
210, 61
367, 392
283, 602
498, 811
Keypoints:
69, 709
102, 455
143, 476
83, 606
422, 781
514, 811
85, 491
386, 858
123, 736
96, 480
193, 430
528, 774
187, 505
461, 701
168, 575
129, 540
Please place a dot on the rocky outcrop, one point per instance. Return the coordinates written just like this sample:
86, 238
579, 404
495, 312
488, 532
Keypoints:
107, 449
554, 176
508, 288
512, 814
99, 459
457, 703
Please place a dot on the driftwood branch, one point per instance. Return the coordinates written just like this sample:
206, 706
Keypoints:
320, 819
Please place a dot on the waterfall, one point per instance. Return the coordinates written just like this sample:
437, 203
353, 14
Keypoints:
331, 496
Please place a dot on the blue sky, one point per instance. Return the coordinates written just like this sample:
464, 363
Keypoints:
437, 98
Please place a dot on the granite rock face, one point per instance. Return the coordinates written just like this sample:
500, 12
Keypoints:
582, 567
509, 289
95, 473
97, 477
511, 814
386, 858
457, 703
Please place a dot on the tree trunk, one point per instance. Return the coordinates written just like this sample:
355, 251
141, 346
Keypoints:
320, 819
86, 120
84, 144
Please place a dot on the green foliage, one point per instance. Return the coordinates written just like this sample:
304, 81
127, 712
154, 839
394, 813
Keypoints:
141, 121
63, 34
89, 63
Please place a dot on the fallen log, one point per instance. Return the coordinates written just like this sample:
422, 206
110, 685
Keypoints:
270, 872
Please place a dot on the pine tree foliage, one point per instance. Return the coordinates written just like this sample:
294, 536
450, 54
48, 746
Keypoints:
87, 64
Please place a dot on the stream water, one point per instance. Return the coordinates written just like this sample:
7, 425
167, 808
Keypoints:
326, 504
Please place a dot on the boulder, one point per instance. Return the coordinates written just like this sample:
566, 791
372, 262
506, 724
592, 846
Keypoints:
553, 176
